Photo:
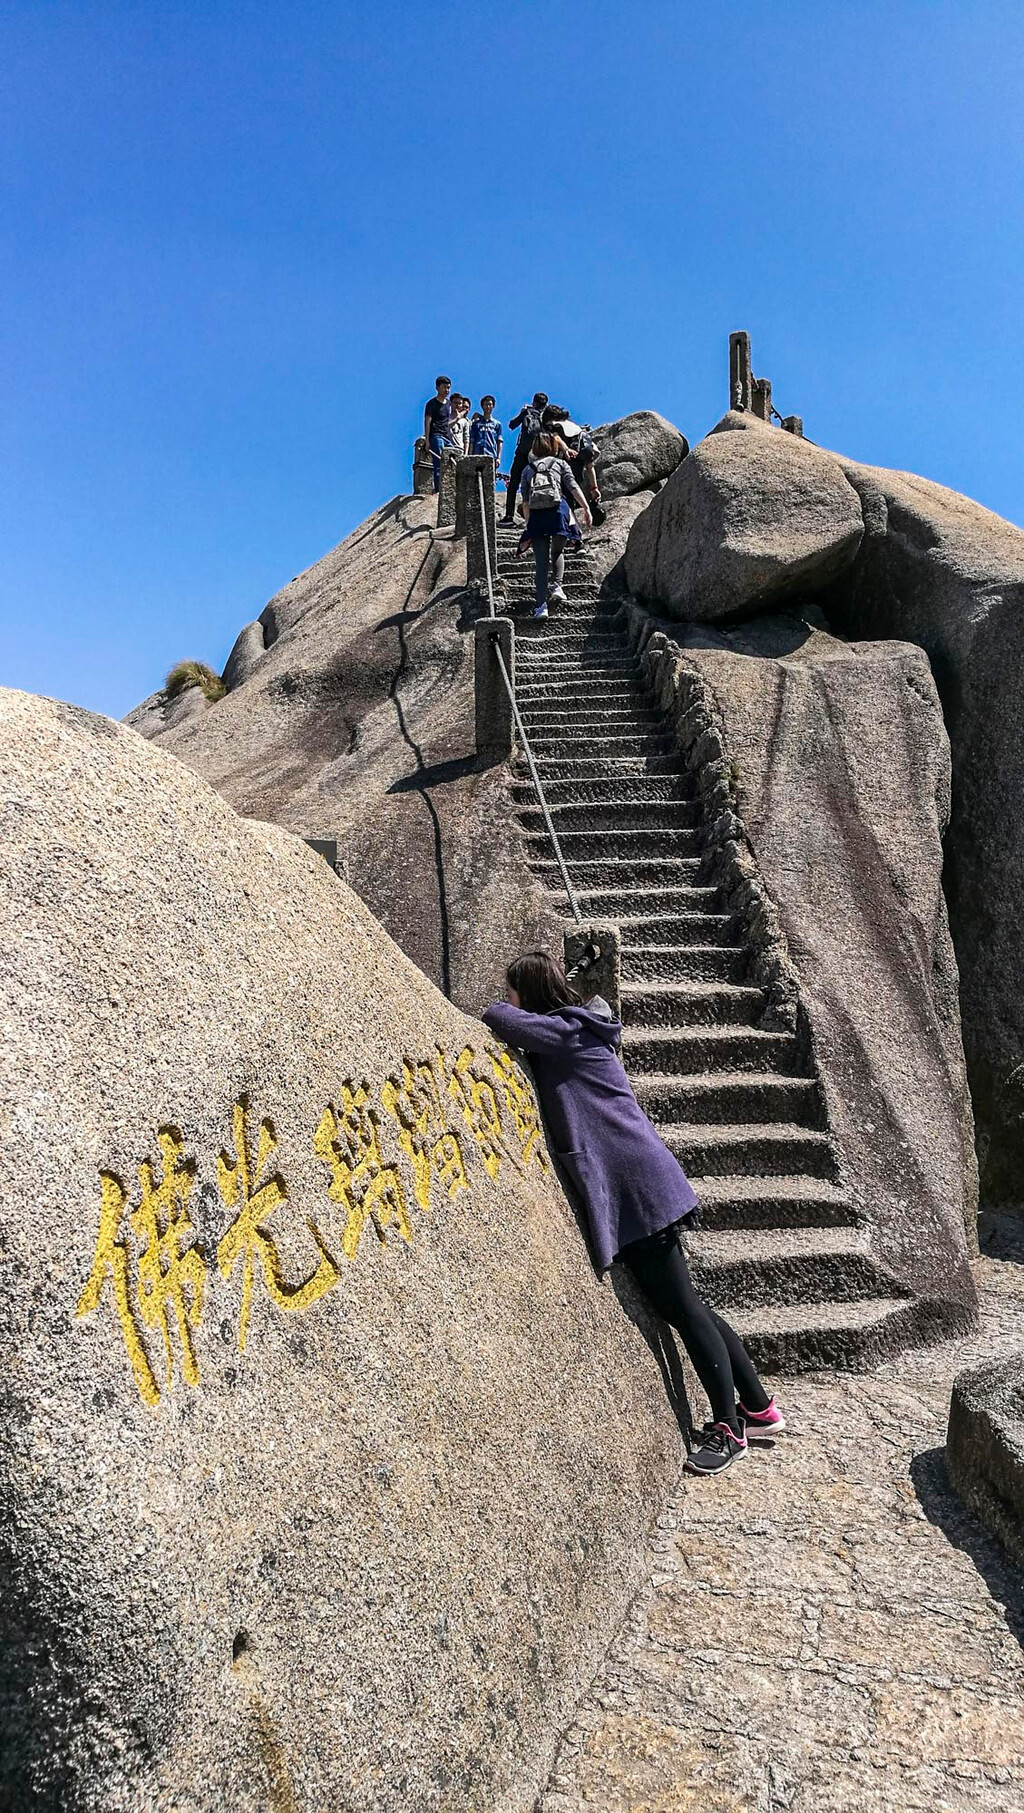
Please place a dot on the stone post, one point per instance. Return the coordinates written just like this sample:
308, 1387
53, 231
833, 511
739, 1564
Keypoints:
794, 424
762, 402
494, 722
468, 521
602, 974
741, 372
422, 470
446, 495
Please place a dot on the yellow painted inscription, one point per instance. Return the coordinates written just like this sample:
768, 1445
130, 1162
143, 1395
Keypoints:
157, 1271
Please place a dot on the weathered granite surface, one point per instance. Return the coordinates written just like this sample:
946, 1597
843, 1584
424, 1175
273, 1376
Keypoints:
755, 515
636, 452
985, 1447
357, 724
838, 773
826, 1628
325, 1463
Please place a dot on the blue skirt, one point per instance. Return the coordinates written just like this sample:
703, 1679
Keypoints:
542, 523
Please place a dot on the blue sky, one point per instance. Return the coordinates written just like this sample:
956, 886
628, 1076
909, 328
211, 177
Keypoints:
237, 241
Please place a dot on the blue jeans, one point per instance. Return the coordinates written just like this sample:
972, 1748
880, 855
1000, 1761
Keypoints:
437, 446
549, 549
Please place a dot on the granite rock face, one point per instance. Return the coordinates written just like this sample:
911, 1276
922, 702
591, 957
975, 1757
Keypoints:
746, 520
985, 1448
637, 452
842, 779
937, 569
355, 722
325, 1458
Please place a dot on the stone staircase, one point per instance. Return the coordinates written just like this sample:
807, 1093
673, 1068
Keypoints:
779, 1245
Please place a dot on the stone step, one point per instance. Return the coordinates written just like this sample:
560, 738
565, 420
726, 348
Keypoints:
812, 1337
758, 1202
709, 1051
544, 716
691, 1004
533, 661
640, 902
641, 930
633, 847
747, 1096
675, 962
755, 1150
605, 824
674, 788
786, 1267
588, 768
671, 872
579, 689
574, 748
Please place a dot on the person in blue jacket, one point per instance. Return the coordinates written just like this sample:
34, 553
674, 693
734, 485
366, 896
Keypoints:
635, 1192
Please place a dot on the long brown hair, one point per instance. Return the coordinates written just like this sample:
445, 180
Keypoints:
549, 446
540, 982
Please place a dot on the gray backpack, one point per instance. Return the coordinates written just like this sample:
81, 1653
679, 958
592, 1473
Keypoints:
546, 484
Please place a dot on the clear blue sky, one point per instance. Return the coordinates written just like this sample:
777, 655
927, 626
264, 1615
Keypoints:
238, 242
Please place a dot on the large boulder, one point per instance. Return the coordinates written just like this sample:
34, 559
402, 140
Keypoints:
747, 519
637, 452
350, 717
841, 777
327, 1463
940, 570
985, 1447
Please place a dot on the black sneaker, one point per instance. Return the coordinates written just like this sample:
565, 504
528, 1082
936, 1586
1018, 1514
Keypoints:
717, 1449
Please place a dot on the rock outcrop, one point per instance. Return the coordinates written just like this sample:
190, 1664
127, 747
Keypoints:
637, 452
356, 723
743, 522
985, 1448
325, 1458
849, 848
756, 515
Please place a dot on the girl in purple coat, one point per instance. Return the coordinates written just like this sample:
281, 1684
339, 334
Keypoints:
635, 1193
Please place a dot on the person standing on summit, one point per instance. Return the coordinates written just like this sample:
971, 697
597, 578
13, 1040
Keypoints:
437, 418
528, 424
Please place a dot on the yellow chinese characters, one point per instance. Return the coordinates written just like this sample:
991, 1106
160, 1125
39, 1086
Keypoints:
348, 1139
415, 1102
238, 1180
171, 1272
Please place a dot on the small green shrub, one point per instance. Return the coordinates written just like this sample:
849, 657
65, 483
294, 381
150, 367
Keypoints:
194, 673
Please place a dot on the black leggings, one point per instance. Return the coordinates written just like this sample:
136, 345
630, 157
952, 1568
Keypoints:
719, 1357
516, 470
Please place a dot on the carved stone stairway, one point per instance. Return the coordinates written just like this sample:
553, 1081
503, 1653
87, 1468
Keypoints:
779, 1245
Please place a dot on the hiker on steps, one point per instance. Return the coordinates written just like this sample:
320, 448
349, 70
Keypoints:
634, 1192
437, 417
549, 494
583, 451
485, 432
528, 424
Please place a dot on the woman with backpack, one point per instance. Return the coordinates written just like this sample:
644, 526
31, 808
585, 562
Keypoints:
583, 451
635, 1193
549, 494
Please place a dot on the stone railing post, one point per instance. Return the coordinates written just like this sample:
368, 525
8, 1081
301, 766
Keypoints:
494, 722
422, 469
468, 521
762, 400
794, 424
602, 974
446, 495
741, 372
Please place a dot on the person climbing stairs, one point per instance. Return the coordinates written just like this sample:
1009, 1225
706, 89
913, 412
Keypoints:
780, 1246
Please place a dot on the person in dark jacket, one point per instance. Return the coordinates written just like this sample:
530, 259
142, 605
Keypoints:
528, 424
635, 1192
550, 494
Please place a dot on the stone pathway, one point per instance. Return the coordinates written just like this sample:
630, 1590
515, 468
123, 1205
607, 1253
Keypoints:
825, 1629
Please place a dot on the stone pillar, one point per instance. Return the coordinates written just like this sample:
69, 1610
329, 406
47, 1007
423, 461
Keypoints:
446, 495
762, 402
422, 470
495, 729
602, 973
468, 521
794, 424
741, 372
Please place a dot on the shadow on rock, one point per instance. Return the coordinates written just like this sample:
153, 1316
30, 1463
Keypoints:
946, 1511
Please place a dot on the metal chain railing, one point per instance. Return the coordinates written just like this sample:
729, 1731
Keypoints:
592, 951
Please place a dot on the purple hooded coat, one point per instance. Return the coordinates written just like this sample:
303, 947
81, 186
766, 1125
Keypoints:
628, 1179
